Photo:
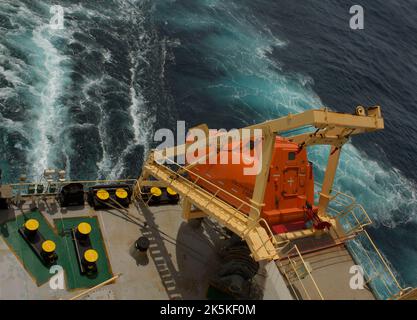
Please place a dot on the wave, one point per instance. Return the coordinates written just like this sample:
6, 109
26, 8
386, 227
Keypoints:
116, 93
34, 75
73, 83
51, 113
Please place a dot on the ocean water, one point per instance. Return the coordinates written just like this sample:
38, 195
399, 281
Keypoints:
88, 98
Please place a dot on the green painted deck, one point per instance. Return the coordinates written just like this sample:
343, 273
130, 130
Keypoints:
65, 249
74, 279
9, 230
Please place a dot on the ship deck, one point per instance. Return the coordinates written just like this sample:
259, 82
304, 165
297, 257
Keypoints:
330, 269
176, 266
180, 261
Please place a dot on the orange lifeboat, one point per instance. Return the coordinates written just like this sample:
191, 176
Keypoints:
290, 183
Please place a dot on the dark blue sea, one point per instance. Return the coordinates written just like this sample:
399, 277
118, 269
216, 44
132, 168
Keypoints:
89, 98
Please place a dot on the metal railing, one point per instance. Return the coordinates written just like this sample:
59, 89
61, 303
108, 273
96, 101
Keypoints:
376, 270
262, 221
298, 271
218, 189
252, 221
24, 189
200, 178
353, 218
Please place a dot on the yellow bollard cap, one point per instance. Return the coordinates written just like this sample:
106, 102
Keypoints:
32, 225
171, 191
156, 191
103, 194
91, 255
121, 193
48, 246
84, 228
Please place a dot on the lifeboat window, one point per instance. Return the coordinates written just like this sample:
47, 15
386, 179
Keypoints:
291, 155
